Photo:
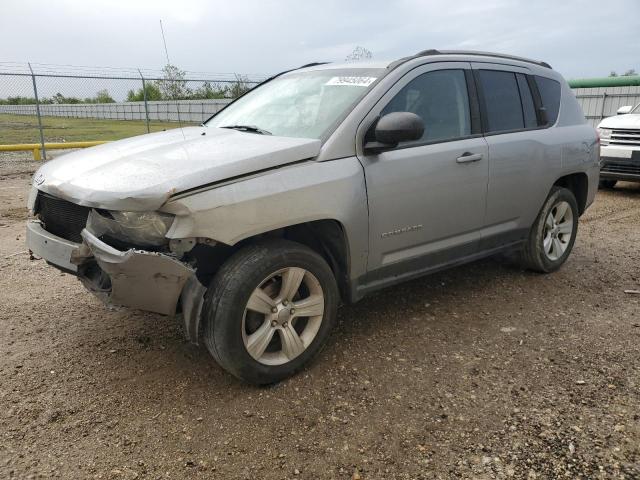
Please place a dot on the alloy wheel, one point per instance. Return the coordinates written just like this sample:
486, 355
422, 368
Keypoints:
283, 316
558, 229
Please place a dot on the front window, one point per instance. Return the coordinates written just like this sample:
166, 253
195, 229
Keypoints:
441, 100
636, 109
299, 104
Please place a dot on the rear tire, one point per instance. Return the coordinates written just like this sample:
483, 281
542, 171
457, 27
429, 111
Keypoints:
254, 312
606, 183
553, 234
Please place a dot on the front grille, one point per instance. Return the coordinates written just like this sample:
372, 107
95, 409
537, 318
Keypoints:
630, 137
60, 217
621, 167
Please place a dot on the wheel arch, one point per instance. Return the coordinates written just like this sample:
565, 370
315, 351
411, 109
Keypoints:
326, 237
578, 184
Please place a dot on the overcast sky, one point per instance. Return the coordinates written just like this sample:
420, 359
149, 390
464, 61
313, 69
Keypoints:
578, 38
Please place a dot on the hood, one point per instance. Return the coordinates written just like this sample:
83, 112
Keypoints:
630, 120
141, 173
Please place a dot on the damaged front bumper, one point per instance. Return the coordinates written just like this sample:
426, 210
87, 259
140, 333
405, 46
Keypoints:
134, 278
55, 250
139, 279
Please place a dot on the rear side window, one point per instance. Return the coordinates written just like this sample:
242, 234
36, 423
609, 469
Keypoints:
441, 99
550, 96
502, 101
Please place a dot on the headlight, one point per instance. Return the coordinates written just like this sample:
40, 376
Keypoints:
138, 228
605, 135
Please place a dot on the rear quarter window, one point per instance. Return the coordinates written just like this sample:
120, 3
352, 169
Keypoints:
550, 95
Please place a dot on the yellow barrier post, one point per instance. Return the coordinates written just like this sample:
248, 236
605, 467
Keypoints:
37, 148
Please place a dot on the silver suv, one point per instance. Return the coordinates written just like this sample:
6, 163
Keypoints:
321, 185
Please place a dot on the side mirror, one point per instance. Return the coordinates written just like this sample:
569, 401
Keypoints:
394, 128
624, 110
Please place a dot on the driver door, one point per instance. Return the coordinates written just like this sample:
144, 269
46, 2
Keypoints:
426, 197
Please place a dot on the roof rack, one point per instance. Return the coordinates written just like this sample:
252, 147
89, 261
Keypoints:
313, 64
433, 51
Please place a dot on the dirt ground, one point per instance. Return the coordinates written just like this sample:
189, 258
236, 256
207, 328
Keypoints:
484, 371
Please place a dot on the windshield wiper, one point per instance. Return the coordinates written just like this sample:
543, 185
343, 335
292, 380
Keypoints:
248, 128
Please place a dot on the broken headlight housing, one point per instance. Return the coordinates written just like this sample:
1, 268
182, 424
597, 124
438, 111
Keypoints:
145, 229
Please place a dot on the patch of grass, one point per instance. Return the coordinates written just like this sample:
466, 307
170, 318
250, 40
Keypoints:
24, 129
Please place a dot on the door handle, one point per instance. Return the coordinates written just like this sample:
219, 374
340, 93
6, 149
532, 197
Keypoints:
468, 157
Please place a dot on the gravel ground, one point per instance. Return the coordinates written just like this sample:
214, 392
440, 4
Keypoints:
484, 372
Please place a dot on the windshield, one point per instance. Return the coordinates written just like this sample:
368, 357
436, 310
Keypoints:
636, 109
302, 104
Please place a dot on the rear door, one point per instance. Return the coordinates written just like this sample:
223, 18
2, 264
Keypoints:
427, 197
517, 149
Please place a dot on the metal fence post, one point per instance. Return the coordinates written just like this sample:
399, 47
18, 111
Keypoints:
35, 93
604, 100
144, 96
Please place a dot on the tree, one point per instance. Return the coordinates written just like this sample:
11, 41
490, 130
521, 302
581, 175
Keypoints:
153, 93
173, 85
239, 87
207, 91
59, 98
359, 54
18, 101
629, 73
102, 96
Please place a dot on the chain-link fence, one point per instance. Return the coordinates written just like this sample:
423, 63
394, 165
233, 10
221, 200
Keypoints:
43, 104
47, 103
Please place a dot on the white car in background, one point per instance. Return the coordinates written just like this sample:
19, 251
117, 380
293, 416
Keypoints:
620, 147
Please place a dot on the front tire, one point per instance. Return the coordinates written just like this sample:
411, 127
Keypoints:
269, 310
553, 234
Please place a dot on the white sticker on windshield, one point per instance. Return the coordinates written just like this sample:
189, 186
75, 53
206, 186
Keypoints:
352, 81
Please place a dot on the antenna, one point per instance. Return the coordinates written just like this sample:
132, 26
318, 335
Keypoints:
166, 52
